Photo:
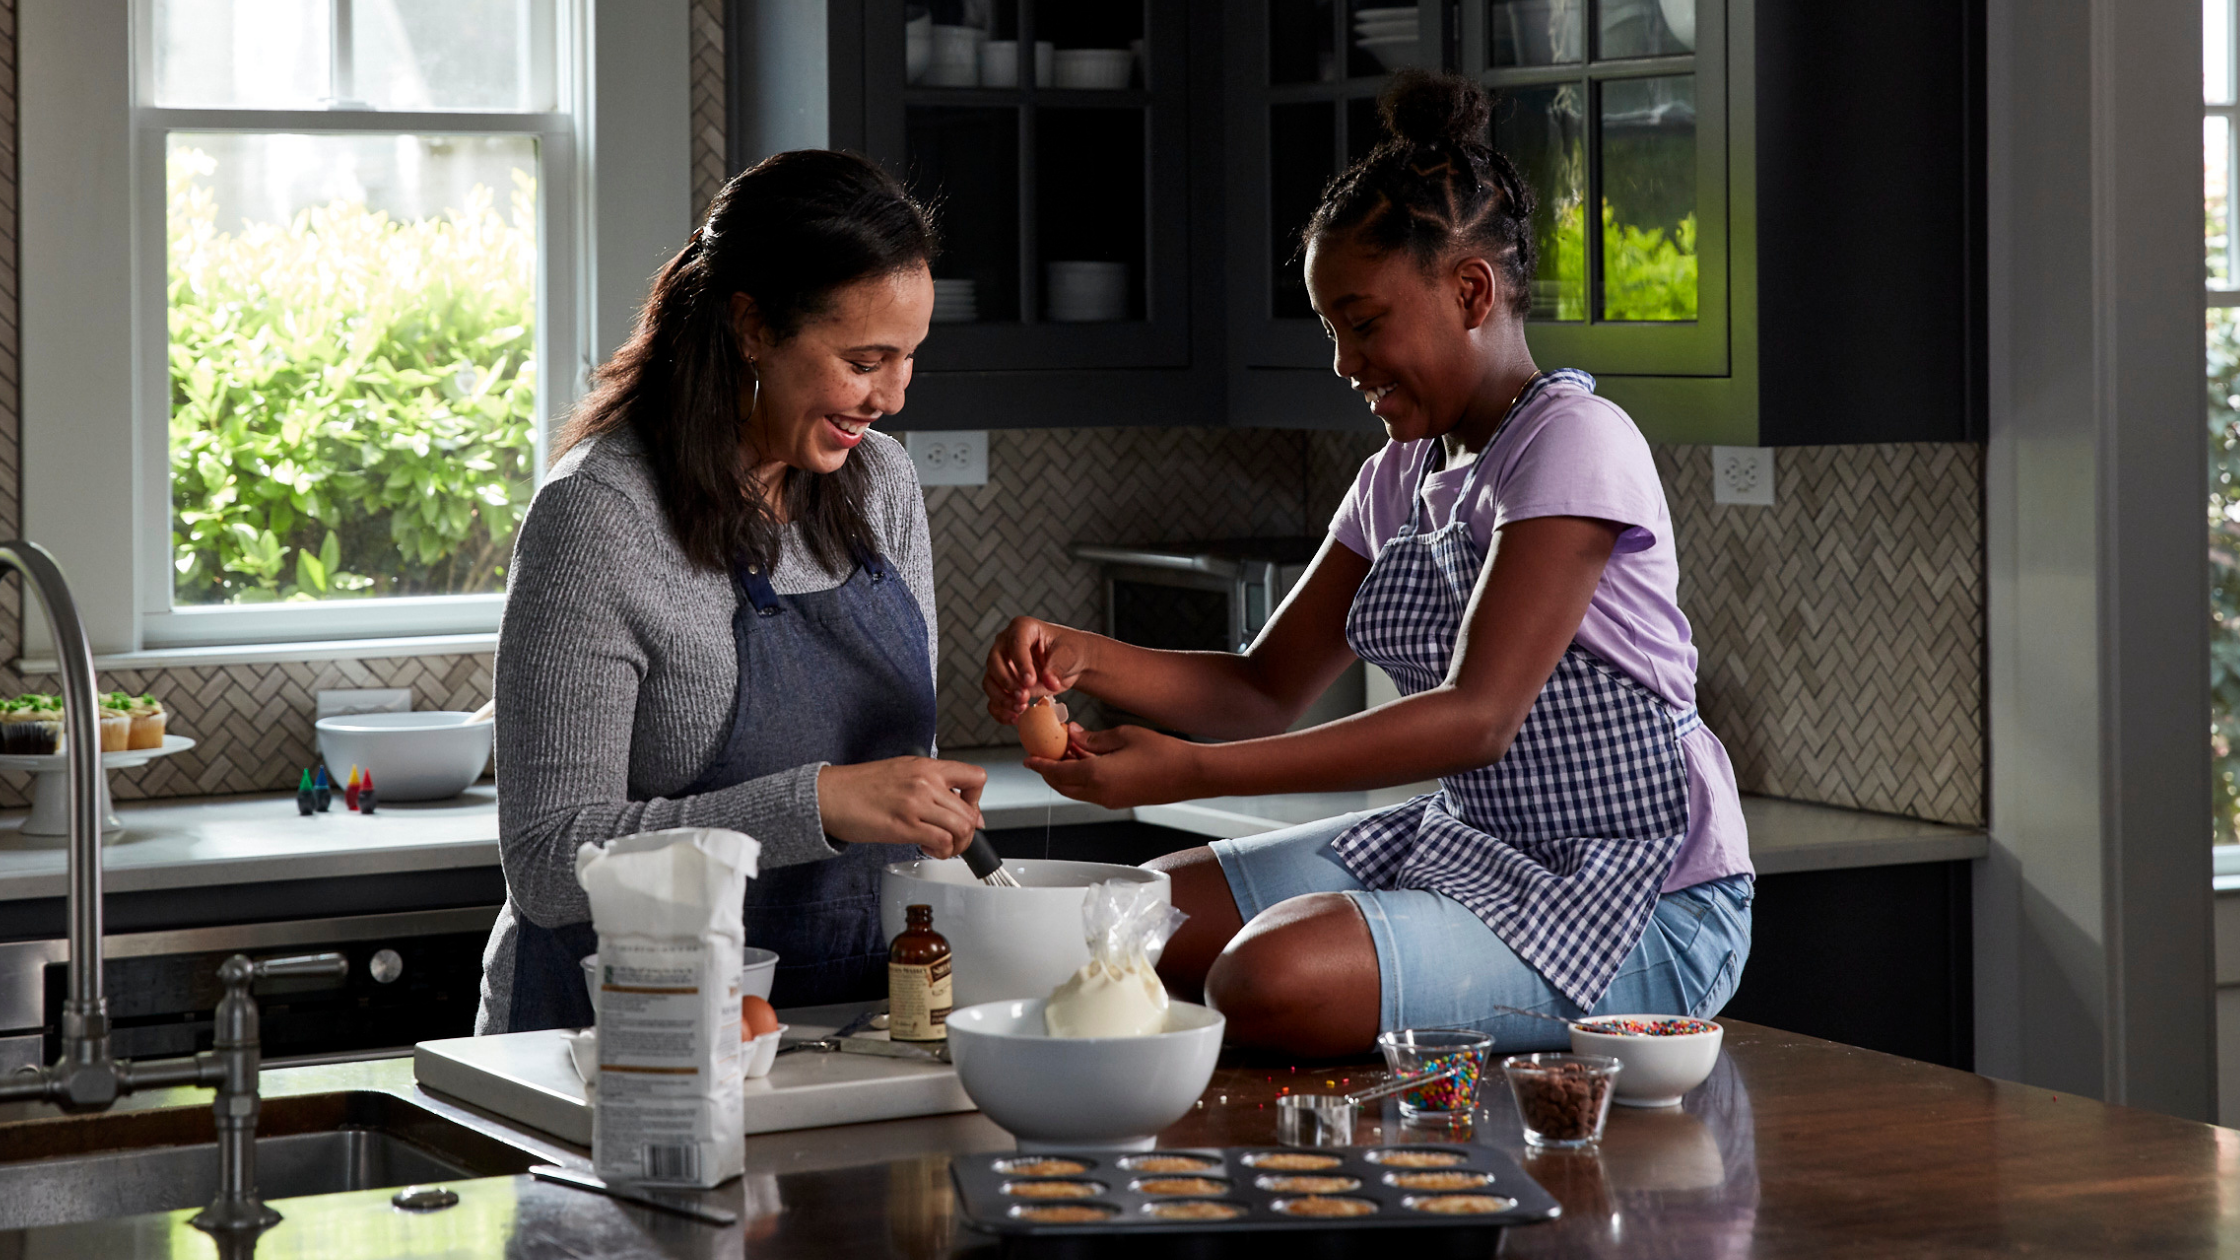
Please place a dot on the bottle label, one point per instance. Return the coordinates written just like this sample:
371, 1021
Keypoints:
918, 1001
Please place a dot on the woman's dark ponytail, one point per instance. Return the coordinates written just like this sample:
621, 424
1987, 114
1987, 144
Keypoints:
1435, 186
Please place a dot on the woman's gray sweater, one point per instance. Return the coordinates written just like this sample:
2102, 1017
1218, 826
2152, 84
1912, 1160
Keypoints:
616, 680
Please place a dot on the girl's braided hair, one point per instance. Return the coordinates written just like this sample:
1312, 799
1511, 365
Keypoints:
1433, 186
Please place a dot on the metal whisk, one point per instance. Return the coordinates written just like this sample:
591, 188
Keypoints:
985, 862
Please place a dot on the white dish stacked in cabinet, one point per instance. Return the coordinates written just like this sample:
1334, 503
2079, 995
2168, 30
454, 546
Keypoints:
1394, 36
955, 301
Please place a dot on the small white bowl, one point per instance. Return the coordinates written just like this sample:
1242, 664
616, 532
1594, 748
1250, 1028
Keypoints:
426, 756
1082, 1093
756, 1056
757, 968
1657, 1069
1101, 69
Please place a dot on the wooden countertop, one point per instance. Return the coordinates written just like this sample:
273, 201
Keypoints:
1795, 1148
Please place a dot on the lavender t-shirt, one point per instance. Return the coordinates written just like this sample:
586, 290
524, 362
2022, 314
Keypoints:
1570, 453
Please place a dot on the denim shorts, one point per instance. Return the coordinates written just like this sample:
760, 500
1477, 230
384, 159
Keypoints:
1438, 965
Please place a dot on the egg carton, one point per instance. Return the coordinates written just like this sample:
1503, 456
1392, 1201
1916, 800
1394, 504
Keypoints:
1257, 1187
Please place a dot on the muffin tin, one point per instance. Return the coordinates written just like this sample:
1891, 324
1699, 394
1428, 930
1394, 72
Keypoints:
1384, 1189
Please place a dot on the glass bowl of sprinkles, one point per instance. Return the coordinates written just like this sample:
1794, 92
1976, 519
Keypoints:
1665, 1056
1421, 1051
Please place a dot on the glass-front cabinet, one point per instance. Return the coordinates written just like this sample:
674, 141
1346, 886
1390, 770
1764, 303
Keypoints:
1052, 139
1614, 112
1617, 106
1303, 77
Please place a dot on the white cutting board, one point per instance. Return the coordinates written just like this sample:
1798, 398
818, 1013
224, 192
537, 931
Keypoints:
529, 1078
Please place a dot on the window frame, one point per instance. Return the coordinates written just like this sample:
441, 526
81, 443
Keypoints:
2227, 294
1680, 348
561, 341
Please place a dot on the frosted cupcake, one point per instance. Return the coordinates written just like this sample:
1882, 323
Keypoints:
148, 721
31, 725
116, 722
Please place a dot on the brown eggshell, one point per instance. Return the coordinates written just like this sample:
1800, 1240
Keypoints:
1041, 732
757, 1016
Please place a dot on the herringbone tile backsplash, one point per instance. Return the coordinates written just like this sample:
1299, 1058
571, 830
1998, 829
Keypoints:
1841, 631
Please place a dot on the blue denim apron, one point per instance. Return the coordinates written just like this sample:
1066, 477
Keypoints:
838, 676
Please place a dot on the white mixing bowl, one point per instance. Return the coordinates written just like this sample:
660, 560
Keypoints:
1075, 1093
413, 756
1005, 942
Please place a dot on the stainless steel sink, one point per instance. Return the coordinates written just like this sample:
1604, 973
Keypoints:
87, 1168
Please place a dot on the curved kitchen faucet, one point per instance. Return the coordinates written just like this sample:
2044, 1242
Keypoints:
84, 1077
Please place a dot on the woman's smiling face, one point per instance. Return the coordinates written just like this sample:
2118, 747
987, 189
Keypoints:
1402, 336
822, 388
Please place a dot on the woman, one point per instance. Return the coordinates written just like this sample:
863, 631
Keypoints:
1507, 558
721, 607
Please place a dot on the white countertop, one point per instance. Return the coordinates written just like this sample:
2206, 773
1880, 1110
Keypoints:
247, 839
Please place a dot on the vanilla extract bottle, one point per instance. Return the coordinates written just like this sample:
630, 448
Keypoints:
918, 991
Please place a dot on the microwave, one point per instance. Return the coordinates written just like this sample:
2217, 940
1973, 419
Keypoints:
1214, 596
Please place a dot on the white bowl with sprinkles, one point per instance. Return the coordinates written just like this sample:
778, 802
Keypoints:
1665, 1056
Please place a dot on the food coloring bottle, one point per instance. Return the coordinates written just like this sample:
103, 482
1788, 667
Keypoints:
918, 989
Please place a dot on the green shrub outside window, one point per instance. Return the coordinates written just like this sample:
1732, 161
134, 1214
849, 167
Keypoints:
353, 397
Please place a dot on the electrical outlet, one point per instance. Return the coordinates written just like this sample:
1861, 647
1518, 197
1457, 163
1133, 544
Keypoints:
1742, 475
365, 700
954, 457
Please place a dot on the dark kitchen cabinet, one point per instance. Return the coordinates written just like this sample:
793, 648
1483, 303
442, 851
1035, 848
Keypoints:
1758, 221
1065, 293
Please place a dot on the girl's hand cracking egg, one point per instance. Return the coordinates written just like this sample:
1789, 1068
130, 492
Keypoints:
1042, 729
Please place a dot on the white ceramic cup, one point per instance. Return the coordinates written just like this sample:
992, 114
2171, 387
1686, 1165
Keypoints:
999, 63
956, 56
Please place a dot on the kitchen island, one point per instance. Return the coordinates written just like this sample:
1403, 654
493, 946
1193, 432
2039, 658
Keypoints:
1794, 1147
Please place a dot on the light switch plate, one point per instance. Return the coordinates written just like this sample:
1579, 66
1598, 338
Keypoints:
1742, 475
951, 457
365, 700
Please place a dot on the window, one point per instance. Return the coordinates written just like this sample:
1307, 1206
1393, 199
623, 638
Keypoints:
2218, 111
357, 267
1598, 110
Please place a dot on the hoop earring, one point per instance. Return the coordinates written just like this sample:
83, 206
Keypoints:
754, 404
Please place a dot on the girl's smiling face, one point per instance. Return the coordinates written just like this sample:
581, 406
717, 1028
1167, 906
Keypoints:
1402, 336
822, 388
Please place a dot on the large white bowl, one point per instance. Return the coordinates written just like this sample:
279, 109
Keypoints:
1657, 1069
1071, 1093
413, 756
1005, 942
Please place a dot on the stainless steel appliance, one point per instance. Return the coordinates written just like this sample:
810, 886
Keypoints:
413, 977
1214, 596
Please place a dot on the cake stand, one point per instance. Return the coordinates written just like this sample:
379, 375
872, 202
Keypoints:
50, 784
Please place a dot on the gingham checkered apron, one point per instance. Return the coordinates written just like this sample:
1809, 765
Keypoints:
1560, 846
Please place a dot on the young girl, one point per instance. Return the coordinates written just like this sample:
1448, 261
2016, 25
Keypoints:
1508, 559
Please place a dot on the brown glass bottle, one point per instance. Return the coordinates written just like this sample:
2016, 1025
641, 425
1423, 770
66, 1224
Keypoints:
918, 993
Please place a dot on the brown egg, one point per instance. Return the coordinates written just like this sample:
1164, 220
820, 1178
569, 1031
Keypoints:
1041, 731
756, 1017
